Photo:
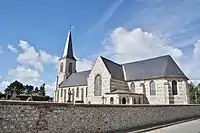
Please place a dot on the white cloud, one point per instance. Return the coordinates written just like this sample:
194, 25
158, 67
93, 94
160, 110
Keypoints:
3, 85
192, 63
31, 77
29, 56
13, 49
50, 88
84, 64
31, 65
47, 58
24, 75
129, 45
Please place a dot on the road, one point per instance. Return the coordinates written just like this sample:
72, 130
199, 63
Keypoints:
186, 127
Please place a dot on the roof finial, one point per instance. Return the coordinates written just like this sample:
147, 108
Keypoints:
70, 27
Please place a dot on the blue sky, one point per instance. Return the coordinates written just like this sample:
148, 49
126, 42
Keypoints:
118, 29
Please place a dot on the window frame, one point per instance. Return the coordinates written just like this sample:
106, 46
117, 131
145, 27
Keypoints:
152, 88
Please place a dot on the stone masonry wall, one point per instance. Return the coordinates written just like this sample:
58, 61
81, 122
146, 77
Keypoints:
41, 117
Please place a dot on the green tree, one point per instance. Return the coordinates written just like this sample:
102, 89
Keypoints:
36, 90
42, 91
194, 93
28, 89
15, 86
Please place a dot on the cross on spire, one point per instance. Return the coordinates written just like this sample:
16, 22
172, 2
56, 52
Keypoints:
70, 27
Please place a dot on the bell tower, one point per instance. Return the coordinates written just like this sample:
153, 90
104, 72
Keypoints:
67, 63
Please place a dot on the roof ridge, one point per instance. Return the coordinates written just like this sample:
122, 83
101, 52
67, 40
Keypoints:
147, 59
83, 71
110, 60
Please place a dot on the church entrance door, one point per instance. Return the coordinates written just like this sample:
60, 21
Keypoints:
123, 100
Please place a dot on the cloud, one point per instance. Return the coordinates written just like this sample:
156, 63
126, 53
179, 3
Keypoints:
25, 75
84, 64
31, 63
192, 64
107, 15
30, 76
13, 49
165, 19
29, 56
50, 88
125, 45
129, 45
3, 85
47, 58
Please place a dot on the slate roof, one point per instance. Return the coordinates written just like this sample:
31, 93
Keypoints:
115, 70
163, 66
68, 51
75, 79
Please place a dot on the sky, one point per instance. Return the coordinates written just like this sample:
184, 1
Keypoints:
33, 35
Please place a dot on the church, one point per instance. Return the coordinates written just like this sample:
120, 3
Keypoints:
152, 81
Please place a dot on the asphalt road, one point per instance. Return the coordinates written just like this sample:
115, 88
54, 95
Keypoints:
186, 127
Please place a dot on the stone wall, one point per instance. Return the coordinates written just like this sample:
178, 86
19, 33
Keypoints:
40, 117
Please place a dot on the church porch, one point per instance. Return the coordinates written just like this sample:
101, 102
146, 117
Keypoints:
125, 97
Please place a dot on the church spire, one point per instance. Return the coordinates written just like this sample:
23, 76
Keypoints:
68, 51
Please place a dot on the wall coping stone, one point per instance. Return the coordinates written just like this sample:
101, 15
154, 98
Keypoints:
15, 102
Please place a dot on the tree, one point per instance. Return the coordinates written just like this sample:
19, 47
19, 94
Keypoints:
194, 93
42, 91
36, 90
28, 89
15, 86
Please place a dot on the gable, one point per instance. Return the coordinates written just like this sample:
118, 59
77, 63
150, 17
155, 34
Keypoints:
115, 70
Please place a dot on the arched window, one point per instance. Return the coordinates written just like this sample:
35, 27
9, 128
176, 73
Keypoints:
139, 100
77, 92
152, 87
174, 87
61, 67
97, 85
132, 86
143, 88
70, 68
111, 100
123, 100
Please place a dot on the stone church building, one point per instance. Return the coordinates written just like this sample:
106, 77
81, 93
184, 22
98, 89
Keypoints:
152, 81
